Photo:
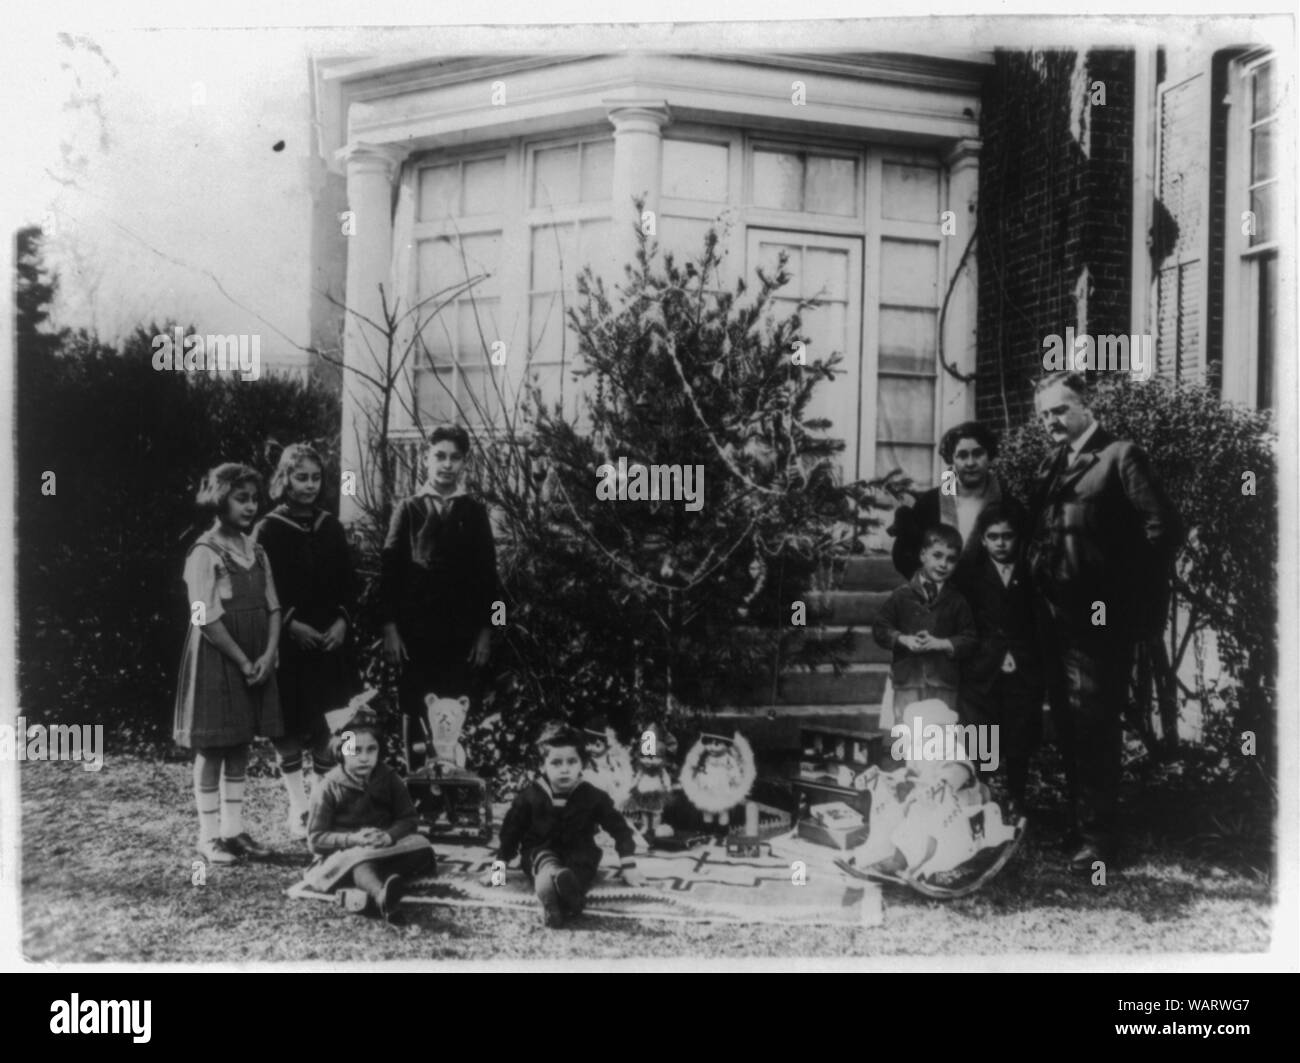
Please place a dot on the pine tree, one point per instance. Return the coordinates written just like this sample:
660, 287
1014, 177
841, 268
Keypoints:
683, 373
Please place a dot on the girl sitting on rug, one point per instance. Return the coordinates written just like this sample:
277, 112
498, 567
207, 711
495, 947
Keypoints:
363, 823
552, 826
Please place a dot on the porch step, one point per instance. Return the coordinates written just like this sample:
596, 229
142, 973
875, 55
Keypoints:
856, 684
777, 729
843, 608
855, 646
874, 572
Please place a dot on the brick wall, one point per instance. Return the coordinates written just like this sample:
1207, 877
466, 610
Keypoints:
1055, 214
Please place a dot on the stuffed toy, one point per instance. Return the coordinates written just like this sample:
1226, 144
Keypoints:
609, 766
446, 719
717, 775
652, 783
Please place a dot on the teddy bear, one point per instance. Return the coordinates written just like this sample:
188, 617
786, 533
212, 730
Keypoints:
652, 783
717, 775
446, 719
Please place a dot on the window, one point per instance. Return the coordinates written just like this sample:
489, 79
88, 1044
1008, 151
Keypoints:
1253, 230
458, 241
804, 182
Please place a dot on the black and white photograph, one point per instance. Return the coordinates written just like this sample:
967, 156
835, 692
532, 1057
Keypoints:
650, 494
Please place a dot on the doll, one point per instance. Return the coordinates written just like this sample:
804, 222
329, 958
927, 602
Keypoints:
652, 784
610, 766
717, 775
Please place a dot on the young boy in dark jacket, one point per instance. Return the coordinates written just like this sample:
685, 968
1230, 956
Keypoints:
929, 626
1002, 681
552, 827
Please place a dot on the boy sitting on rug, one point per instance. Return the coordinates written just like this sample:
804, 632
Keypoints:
933, 816
363, 824
552, 826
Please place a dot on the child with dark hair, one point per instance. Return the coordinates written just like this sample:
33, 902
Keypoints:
363, 824
552, 826
1002, 681
226, 693
438, 582
313, 572
928, 625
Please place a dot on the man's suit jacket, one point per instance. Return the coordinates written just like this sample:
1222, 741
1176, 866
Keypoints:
1104, 531
1006, 616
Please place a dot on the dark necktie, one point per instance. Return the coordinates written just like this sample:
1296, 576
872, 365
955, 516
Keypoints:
931, 590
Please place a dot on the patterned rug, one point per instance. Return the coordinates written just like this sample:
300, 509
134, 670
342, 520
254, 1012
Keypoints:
701, 885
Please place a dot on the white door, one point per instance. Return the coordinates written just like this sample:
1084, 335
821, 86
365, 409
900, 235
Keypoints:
829, 269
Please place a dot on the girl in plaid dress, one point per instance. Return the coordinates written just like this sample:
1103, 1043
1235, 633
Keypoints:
227, 692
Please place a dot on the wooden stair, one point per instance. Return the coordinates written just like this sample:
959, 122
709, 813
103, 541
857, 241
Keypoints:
846, 693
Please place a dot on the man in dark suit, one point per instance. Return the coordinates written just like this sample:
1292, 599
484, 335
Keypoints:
1103, 539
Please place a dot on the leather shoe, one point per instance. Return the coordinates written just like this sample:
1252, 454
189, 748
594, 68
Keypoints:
243, 845
390, 897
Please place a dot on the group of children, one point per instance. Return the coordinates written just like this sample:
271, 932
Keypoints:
268, 654
964, 633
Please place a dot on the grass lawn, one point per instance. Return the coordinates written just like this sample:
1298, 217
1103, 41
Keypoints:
107, 865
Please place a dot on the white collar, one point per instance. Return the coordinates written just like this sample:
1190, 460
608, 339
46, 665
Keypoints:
1079, 443
438, 496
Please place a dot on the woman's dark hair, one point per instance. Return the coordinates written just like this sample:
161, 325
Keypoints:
982, 434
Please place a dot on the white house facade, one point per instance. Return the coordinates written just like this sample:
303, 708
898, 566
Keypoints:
517, 171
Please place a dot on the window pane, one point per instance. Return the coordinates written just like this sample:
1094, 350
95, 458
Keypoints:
555, 256
826, 274
778, 180
1266, 390
683, 238
768, 253
909, 273
1261, 152
555, 176
825, 328
549, 380
546, 327
484, 183
593, 245
597, 171
916, 462
479, 395
695, 171
907, 340
905, 410
909, 193
439, 338
476, 326
1263, 98
439, 192
482, 258
831, 186
1261, 202
435, 402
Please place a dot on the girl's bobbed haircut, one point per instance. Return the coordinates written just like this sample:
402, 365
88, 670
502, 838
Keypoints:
290, 458
362, 723
223, 479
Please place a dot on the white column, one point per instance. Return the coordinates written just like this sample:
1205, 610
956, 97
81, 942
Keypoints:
957, 400
370, 172
638, 160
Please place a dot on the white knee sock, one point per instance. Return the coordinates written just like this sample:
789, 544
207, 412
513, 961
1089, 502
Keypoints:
296, 785
208, 800
232, 805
